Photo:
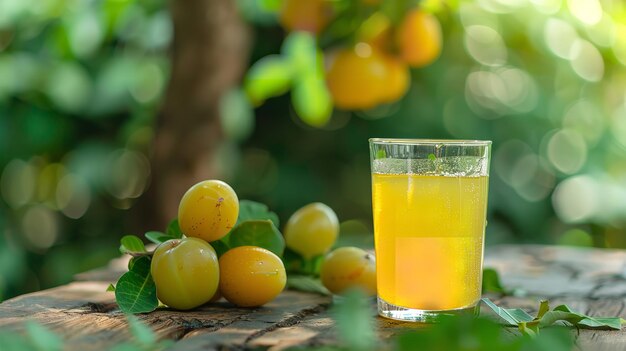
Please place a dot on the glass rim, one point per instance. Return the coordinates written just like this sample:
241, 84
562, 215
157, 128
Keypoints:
401, 141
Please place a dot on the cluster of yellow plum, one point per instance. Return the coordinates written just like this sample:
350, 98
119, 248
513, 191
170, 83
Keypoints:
312, 231
187, 272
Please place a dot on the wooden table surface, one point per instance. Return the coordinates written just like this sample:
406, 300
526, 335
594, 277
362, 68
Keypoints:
592, 281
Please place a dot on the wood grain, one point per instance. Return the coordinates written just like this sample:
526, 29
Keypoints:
588, 280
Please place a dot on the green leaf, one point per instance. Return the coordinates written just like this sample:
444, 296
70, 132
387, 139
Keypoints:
157, 237
271, 5
513, 316
432, 157
220, 247
294, 262
564, 313
262, 233
173, 229
249, 210
135, 291
301, 50
142, 333
311, 100
42, 338
528, 328
355, 321
111, 287
131, 244
546, 317
269, 77
602, 323
307, 284
544, 307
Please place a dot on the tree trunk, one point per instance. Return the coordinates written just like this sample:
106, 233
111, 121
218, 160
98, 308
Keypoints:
209, 56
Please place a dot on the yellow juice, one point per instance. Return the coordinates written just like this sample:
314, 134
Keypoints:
429, 232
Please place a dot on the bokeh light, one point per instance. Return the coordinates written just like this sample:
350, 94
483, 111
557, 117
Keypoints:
504, 91
618, 127
588, 12
586, 60
40, 227
129, 173
18, 183
560, 37
485, 45
567, 151
547, 7
603, 32
73, 196
576, 199
587, 119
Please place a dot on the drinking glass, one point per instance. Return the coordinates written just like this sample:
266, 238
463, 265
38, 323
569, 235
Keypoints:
429, 199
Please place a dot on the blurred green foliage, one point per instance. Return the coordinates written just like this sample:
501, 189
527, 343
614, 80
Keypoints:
80, 83
354, 318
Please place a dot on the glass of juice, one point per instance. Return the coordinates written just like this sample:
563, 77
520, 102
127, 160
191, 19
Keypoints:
429, 199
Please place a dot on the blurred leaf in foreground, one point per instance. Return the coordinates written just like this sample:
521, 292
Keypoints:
355, 321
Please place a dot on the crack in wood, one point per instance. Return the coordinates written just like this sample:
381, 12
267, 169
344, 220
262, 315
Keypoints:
95, 307
210, 327
289, 321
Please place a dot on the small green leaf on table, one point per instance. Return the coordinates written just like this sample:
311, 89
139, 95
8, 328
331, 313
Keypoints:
513, 316
306, 284
566, 314
544, 307
135, 291
131, 244
546, 317
262, 233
